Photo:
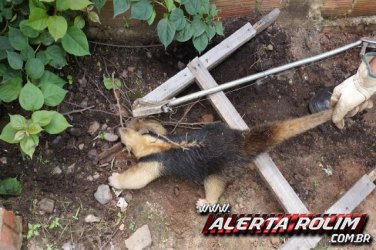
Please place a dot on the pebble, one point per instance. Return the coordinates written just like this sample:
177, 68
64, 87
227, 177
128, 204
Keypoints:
96, 175
207, 118
92, 219
93, 155
110, 137
81, 146
93, 128
82, 81
122, 204
128, 197
70, 168
84, 103
68, 246
57, 171
3, 160
139, 240
181, 65
103, 194
270, 47
131, 69
124, 73
47, 205
57, 140
75, 132
122, 227
176, 191
90, 178
149, 55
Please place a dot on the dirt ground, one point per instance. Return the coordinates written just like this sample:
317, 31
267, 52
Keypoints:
168, 204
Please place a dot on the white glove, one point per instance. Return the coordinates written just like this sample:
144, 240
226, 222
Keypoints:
352, 95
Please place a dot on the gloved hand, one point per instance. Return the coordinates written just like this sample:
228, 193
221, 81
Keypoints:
352, 95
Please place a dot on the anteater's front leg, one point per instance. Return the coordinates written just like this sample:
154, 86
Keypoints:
214, 185
137, 176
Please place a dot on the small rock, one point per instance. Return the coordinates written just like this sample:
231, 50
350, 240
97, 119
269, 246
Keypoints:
149, 55
176, 191
68, 246
207, 118
92, 219
93, 155
70, 168
57, 140
81, 146
139, 240
103, 194
96, 175
82, 81
90, 178
122, 227
57, 171
47, 205
181, 65
75, 132
124, 73
270, 47
122, 204
110, 137
104, 126
84, 103
94, 126
128, 197
131, 69
3, 160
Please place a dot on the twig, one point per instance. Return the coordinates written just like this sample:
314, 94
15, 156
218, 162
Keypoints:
126, 46
114, 149
184, 115
93, 110
117, 98
172, 142
78, 110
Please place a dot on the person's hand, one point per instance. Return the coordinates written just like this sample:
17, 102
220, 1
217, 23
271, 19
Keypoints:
352, 95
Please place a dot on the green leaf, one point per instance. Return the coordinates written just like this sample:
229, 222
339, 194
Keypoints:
200, 42
141, 10
198, 26
213, 10
17, 122
57, 56
38, 19
45, 38
57, 26
31, 97
192, 6
93, 17
58, 124
210, 31
43, 56
72, 4
121, 6
20, 135
166, 31
75, 42
18, 40
42, 117
28, 144
79, 22
10, 186
51, 78
53, 95
34, 68
34, 129
177, 17
27, 30
8, 134
27, 53
170, 5
205, 7
14, 60
99, 4
184, 34
107, 81
10, 90
219, 28
152, 17
5, 44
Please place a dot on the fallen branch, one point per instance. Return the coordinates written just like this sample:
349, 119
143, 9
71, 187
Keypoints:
78, 110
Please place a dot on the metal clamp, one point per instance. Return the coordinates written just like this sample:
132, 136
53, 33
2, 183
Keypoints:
367, 42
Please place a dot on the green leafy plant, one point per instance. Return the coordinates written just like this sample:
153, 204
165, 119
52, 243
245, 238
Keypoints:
10, 186
183, 20
35, 37
33, 230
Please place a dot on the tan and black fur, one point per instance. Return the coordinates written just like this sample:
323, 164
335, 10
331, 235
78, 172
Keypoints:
214, 155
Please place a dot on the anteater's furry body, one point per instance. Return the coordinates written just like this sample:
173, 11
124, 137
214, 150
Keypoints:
213, 155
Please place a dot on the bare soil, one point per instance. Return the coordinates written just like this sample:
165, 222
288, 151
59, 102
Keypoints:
168, 204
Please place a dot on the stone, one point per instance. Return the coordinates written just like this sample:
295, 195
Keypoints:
93, 128
139, 240
93, 155
122, 204
10, 230
81, 146
110, 137
103, 194
3, 160
207, 118
181, 65
57, 171
70, 168
47, 205
92, 219
75, 132
270, 47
